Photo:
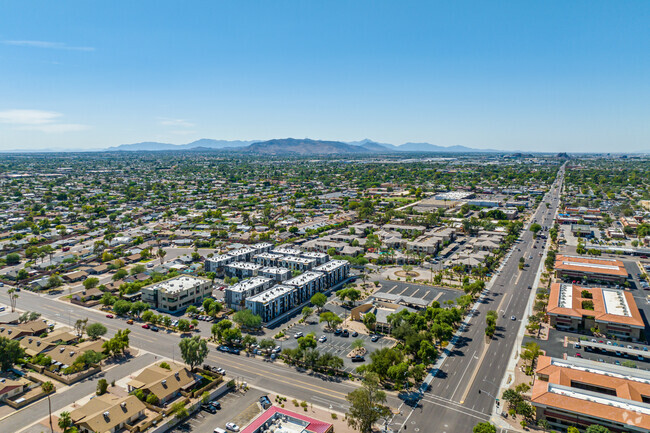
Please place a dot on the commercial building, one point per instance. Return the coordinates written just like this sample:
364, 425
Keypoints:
272, 303
334, 272
597, 270
176, 294
163, 383
275, 273
108, 413
453, 195
583, 230
218, 263
307, 284
282, 420
577, 308
242, 270
236, 294
578, 392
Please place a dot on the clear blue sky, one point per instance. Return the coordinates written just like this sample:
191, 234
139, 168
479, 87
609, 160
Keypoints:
530, 75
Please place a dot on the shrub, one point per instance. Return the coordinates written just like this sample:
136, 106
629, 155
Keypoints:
165, 366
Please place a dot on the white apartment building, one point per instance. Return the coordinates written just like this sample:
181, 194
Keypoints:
267, 259
242, 270
273, 303
334, 272
321, 258
236, 294
275, 273
218, 263
307, 284
300, 264
176, 294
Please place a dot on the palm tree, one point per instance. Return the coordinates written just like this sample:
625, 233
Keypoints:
48, 388
161, 255
65, 421
12, 298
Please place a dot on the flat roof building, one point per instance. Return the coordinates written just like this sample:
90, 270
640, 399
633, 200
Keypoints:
301, 264
267, 259
218, 263
275, 273
242, 270
582, 308
320, 258
176, 294
287, 421
579, 268
307, 284
578, 392
335, 271
236, 295
272, 303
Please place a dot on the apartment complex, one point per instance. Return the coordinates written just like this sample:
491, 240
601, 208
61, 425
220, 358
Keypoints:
611, 311
275, 273
272, 303
578, 392
242, 270
217, 264
334, 271
597, 270
236, 295
176, 294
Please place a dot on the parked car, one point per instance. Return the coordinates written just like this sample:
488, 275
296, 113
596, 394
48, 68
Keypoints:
322, 339
375, 338
110, 316
221, 371
265, 402
145, 326
216, 405
232, 426
223, 348
298, 335
337, 331
154, 328
345, 333
358, 358
355, 334
209, 408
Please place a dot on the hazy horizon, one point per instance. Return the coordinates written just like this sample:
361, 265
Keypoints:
531, 76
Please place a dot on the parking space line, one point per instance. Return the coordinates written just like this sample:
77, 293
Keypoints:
437, 296
405, 289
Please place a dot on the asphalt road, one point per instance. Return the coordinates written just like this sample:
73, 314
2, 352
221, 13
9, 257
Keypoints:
453, 402
277, 377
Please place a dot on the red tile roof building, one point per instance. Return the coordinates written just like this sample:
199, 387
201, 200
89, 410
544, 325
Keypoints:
579, 268
578, 392
614, 311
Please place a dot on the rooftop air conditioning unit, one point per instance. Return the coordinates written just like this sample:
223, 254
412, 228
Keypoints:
61, 350
106, 414
72, 353
123, 405
164, 382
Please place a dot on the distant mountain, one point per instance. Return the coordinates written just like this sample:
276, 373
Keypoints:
305, 146
374, 146
206, 143
427, 147
294, 146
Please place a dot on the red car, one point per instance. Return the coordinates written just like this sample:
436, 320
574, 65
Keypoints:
145, 326
110, 316
578, 355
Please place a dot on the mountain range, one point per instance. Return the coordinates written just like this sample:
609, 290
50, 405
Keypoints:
294, 146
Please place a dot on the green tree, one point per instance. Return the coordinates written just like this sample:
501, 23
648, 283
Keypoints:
318, 300
332, 319
179, 410
369, 319
246, 319
365, 403
138, 307
306, 312
535, 228
193, 350
10, 353
48, 388
183, 325
12, 259
595, 428
95, 330
91, 282
484, 427
122, 307
102, 386
65, 422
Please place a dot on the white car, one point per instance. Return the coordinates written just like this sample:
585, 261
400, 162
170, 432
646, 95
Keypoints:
232, 426
221, 371
513, 318
322, 339
297, 335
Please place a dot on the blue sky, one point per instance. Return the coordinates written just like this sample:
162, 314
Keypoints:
528, 75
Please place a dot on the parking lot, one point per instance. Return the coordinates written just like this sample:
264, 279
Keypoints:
336, 344
554, 347
235, 407
428, 293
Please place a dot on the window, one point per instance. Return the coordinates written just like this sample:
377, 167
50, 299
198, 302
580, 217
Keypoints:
593, 388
